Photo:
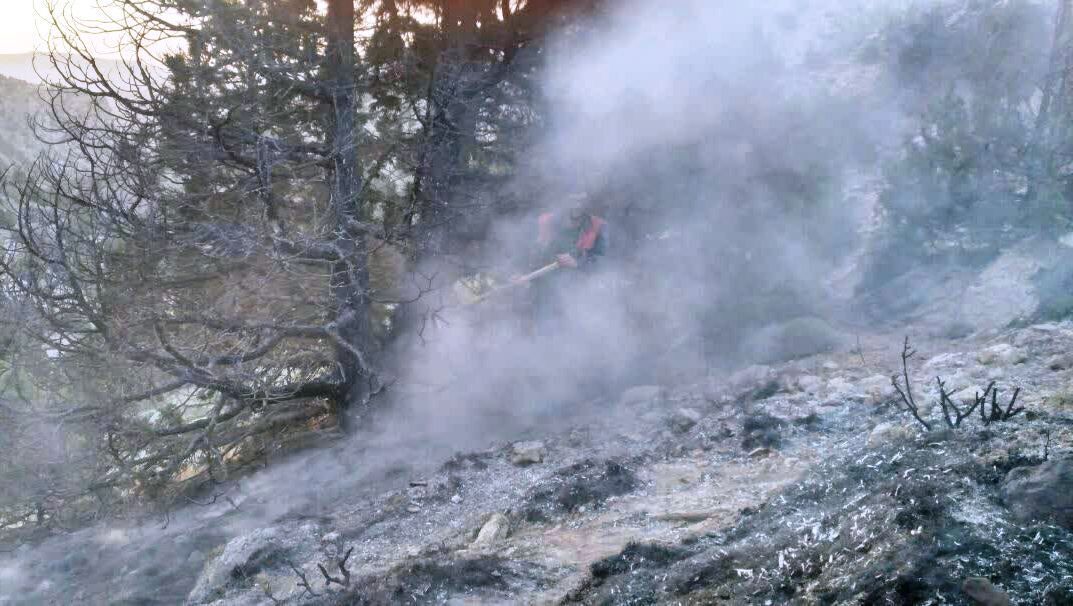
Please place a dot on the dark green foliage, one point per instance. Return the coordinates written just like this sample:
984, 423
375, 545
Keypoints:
980, 166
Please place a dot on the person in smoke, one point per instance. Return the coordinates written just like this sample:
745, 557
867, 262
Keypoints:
574, 238
577, 241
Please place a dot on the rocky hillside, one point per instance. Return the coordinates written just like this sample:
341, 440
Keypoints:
18, 101
805, 482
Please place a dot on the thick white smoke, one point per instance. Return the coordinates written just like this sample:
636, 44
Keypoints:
720, 154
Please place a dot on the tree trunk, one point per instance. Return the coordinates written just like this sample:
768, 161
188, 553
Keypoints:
350, 276
451, 128
1039, 154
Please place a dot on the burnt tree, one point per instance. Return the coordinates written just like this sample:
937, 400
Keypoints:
195, 247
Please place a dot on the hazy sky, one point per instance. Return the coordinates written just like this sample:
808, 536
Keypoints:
21, 25
17, 29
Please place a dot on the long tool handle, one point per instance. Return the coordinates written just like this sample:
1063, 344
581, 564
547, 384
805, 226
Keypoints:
547, 269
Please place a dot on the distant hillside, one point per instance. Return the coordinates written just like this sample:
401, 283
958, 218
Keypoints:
36, 67
20, 66
18, 101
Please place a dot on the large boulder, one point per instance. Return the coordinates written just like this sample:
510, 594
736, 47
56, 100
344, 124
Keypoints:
242, 556
1006, 285
797, 338
1044, 492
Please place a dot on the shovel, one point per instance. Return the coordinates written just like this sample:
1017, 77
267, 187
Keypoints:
547, 269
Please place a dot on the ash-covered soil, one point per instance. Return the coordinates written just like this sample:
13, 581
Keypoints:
804, 482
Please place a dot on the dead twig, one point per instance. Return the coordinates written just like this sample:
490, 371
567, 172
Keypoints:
267, 590
947, 404
303, 581
345, 580
997, 413
907, 395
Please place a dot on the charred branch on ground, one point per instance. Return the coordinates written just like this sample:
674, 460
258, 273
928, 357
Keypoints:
341, 564
953, 415
907, 395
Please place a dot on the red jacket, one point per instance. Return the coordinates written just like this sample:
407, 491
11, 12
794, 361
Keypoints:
587, 240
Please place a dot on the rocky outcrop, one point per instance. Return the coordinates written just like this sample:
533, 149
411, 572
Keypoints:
1044, 492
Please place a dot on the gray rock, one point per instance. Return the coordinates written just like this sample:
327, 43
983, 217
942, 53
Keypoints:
946, 360
237, 554
888, 432
840, 387
683, 420
1003, 354
1062, 361
966, 396
494, 530
1042, 492
527, 453
983, 592
809, 383
751, 377
876, 388
641, 394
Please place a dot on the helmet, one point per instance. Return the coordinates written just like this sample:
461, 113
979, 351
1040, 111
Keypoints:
577, 203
